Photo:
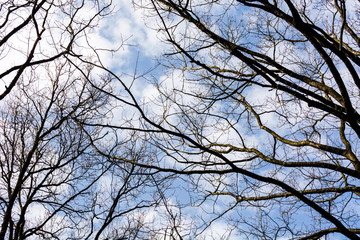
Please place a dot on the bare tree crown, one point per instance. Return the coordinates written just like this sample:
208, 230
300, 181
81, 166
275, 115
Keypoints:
253, 122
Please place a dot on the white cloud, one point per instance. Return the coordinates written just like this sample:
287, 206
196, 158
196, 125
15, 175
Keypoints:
217, 231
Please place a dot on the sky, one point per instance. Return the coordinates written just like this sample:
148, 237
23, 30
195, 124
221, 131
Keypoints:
131, 31
146, 47
142, 46
138, 47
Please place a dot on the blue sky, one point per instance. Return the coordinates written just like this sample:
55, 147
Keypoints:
144, 45
138, 48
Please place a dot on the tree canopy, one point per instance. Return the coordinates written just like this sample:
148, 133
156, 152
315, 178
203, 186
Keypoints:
247, 128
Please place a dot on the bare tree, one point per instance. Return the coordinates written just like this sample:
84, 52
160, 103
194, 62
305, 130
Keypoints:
38, 32
53, 182
255, 126
258, 117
